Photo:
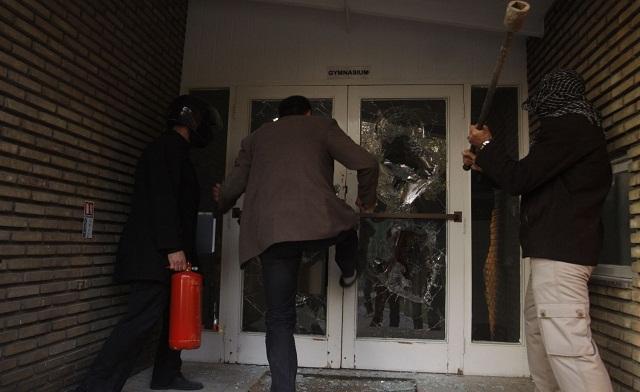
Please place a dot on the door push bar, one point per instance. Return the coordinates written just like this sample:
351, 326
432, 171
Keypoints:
456, 216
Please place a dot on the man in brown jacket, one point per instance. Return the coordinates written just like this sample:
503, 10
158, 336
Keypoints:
285, 170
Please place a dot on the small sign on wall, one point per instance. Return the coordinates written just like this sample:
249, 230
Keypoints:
348, 72
87, 221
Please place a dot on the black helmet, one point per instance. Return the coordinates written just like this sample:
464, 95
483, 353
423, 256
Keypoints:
202, 119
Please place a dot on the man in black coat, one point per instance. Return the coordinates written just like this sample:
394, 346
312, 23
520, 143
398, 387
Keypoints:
563, 181
158, 239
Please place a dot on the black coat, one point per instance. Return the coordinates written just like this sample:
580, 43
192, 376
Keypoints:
163, 214
563, 182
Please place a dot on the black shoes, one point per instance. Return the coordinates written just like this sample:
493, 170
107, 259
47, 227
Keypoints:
179, 383
348, 282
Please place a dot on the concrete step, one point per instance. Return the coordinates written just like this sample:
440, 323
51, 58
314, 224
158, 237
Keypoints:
250, 378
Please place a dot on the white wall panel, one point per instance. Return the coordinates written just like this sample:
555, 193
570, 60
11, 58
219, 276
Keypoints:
237, 42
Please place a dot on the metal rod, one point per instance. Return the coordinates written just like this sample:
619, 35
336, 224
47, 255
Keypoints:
456, 216
514, 18
488, 98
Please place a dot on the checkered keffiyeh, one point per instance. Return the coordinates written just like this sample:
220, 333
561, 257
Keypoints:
561, 92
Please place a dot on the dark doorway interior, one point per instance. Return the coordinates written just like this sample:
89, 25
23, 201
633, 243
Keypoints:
210, 164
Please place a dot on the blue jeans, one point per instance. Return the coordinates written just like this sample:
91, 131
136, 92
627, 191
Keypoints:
280, 265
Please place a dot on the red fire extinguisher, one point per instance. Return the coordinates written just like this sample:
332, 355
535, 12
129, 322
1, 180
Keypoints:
185, 323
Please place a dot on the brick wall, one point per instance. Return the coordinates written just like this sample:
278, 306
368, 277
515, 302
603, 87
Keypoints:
601, 40
83, 87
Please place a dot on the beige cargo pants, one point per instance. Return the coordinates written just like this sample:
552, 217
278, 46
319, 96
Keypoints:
562, 354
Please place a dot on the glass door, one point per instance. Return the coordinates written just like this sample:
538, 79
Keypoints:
495, 274
429, 297
406, 311
319, 298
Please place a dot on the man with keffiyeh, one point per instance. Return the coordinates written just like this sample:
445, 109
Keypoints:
563, 182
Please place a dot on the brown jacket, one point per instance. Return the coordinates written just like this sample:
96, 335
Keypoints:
285, 169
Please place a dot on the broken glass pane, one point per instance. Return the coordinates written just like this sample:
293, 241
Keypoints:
401, 293
311, 298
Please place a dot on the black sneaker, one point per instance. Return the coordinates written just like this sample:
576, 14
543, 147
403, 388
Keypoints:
179, 383
351, 280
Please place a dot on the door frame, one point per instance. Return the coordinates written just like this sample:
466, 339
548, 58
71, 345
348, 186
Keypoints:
416, 354
506, 359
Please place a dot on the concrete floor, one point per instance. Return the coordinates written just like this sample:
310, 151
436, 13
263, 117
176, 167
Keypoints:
247, 378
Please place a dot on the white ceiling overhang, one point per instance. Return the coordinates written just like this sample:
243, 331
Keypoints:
486, 15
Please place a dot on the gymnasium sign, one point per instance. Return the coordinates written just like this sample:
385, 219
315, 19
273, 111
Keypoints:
348, 72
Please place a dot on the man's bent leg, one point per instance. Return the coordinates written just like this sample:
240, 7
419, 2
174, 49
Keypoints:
562, 300
280, 265
347, 252
539, 366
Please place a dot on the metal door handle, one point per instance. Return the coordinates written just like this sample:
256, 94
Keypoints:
456, 216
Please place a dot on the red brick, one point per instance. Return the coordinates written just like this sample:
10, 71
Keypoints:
15, 376
18, 347
11, 89
38, 7
30, 29
18, 8
50, 29
14, 35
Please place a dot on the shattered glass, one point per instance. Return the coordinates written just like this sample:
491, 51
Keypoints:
401, 293
311, 299
341, 383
